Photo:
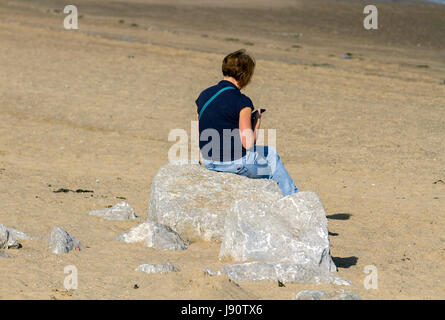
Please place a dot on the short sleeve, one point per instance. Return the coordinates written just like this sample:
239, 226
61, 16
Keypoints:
244, 102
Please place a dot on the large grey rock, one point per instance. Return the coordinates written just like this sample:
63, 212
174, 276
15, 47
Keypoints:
193, 201
165, 267
154, 235
61, 241
285, 237
326, 295
284, 272
120, 211
292, 230
8, 238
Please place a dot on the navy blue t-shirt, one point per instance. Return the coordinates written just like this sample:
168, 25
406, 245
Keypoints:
219, 123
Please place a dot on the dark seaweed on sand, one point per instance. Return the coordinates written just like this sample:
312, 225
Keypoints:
64, 190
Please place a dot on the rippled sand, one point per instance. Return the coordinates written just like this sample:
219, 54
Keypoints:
91, 109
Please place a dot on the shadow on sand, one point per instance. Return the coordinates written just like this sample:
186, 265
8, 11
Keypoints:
339, 216
345, 263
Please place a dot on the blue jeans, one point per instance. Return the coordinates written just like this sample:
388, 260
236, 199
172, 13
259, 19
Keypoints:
260, 162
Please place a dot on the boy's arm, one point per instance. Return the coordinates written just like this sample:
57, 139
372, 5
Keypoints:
248, 137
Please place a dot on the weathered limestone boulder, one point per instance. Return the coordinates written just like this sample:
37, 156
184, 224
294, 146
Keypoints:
120, 211
287, 240
165, 267
284, 272
283, 238
61, 241
194, 201
291, 230
8, 238
326, 295
154, 235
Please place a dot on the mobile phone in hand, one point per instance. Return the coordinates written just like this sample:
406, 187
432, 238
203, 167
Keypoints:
255, 117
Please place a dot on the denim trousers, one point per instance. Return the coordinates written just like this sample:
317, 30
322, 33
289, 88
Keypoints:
260, 162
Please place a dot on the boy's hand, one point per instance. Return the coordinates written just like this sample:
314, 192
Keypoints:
258, 121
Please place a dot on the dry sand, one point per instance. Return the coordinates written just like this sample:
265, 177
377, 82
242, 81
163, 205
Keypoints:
367, 134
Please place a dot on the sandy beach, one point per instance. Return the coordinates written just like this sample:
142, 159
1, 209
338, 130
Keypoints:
92, 109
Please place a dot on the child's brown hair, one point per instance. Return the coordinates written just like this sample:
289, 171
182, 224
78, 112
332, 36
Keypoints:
240, 66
